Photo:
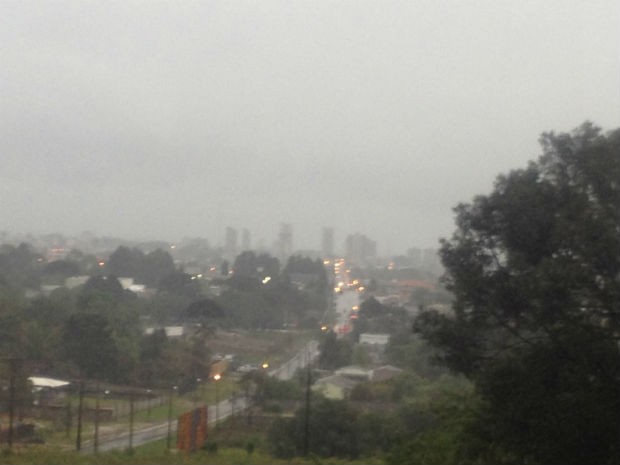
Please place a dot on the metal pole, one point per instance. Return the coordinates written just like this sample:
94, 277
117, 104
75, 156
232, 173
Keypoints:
169, 437
96, 439
68, 419
131, 422
307, 416
11, 402
217, 404
78, 439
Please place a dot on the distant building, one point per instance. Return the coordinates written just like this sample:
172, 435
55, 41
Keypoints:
385, 373
171, 331
355, 372
75, 281
284, 244
374, 339
359, 249
126, 283
231, 249
48, 390
334, 387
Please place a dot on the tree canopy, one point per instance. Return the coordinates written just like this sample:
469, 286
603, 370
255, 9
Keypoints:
535, 272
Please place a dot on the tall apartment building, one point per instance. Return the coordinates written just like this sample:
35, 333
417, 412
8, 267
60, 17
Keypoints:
231, 249
360, 248
327, 243
284, 244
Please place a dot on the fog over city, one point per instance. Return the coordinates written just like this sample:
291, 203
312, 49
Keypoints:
158, 120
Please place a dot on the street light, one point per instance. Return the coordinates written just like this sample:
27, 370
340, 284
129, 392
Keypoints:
216, 378
96, 438
169, 437
149, 403
197, 391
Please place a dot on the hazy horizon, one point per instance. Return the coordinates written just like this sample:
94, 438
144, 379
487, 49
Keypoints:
161, 120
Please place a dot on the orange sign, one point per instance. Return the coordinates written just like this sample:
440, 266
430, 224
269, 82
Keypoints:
192, 429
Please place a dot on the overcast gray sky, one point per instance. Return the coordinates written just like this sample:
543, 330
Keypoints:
168, 119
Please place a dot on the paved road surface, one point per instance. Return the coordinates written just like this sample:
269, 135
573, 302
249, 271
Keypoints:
224, 409
344, 303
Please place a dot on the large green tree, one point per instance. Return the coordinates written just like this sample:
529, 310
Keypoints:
332, 431
535, 271
89, 343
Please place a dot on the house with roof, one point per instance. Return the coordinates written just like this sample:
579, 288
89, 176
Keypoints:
48, 390
355, 373
380, 340
335, 387
385, 373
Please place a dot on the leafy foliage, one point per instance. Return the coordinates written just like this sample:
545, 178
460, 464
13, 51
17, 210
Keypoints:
332, 431
535, 270
89, 343
333, 352
148, 268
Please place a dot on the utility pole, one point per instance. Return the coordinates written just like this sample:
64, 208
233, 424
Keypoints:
307, 416
96, 439
131, 411
216, 378
12, 376
68, 419
78, 439
169, 437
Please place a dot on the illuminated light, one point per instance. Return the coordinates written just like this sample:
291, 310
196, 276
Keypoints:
217, 377
355, 282
340, 284
361, 288
326, 262
193, 277
265, 365
212, 268
199, 275
355, 308
266, 279
336, 289
173, 246
324, 328
101, 263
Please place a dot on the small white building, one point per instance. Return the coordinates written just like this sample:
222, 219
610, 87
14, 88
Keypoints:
355, 372
374, 339
47, 390
75, 281
335, 387
171, 331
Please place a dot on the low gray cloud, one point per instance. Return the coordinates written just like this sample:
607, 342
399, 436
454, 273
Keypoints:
164, 119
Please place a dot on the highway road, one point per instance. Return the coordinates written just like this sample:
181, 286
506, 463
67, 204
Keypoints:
224, 409
344, 303
300, 360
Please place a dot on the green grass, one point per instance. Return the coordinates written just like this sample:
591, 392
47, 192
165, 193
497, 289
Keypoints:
155, 453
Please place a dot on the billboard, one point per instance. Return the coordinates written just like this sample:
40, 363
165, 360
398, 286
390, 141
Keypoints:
192, 429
